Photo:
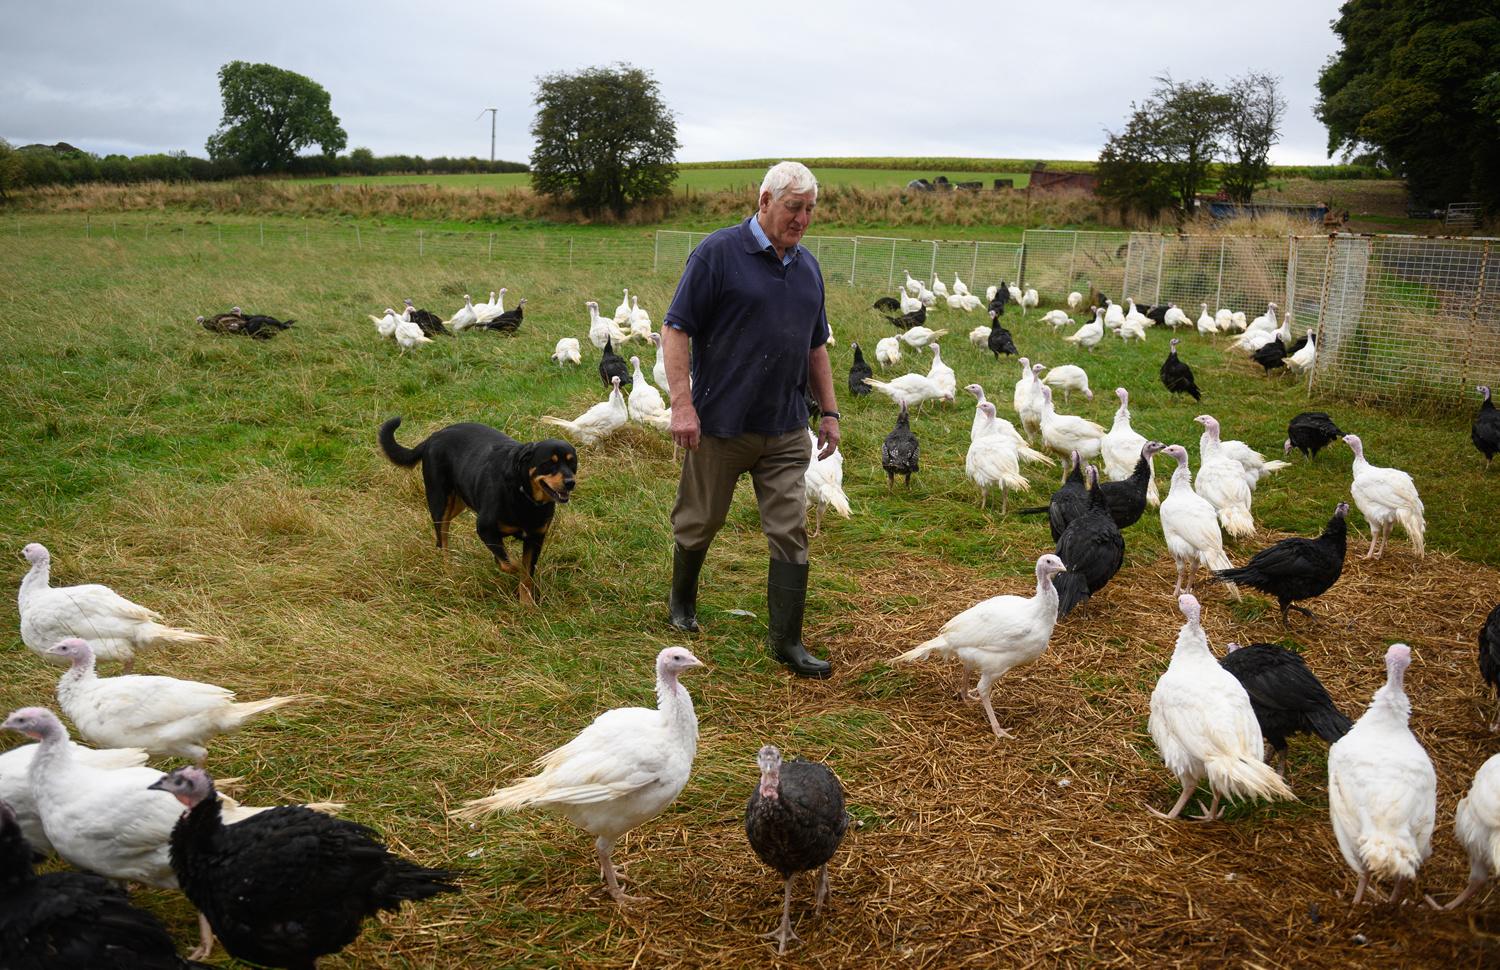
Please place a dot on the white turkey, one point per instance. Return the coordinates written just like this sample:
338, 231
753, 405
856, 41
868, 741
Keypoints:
640, 321
599, 421
1057, 318
1028, 397
980, 336
1121, 449
603, 330
1265, 323
1015, 296
1067, 433
939, 288
1113, 315
1385, 497
385, 325
1134, 328
909, 389
646, 405
491, 310
117, 627
1204, 726
1252, 340
1068, 378
994, 460
911, 287
920, 337
888, 351
462, 319
910, 302
927, 298
1224, 320
1253, 464
997, 425
622, 312
1476, 825
1088, 335
824, 482
954, 301
997, 635
1302, 361
15, 783
1382, 790
166, 716
567, 352
659, 367
409, 334
1191, 527
623, 769
1206, 322
1075, 300
1221, 481
941, 374
960, 287
1028, 300
970, 302
1176, 318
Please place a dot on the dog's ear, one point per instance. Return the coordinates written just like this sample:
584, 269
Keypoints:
524, 459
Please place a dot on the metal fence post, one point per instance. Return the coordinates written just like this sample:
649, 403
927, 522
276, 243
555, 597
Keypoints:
890, 279
221, 235
1484, 266
262, 234
1161, 258
88, 230
1073, 261
114, 228
932, 269
570, 252
1219, 286
655, 251
854, 262
421, 245
306, 236
492, 246
974, 265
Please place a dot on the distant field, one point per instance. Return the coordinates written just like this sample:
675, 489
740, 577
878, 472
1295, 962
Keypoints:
695, 179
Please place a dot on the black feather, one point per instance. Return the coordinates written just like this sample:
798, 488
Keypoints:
1296, 569
888, 304
1489, 650
1311, 431
899, 453
801, 828
612, 365
1177, 376
1285, 695
1093, 550
1127, 499
1485, 432
858, 371
289, 884
1271, 356
999, 340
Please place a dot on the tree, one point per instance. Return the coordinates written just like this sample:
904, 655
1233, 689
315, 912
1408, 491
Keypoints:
1416, 80
604, 139
1254, 125
1167, 148
12, 170
270, 115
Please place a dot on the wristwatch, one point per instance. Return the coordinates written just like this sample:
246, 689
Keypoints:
831, 414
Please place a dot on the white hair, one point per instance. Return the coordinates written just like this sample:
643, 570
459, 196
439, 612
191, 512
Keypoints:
784, 177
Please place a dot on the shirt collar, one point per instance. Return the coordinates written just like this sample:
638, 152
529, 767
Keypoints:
763, 242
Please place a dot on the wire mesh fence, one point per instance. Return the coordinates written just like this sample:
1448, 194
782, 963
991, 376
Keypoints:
1237, 272
1061, 261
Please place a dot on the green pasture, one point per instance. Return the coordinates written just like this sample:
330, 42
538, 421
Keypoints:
698, 179
236, 487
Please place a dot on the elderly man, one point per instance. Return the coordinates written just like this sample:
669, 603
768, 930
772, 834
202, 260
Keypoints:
749, 317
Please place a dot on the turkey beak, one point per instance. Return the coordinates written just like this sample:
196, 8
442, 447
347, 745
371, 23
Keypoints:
158, 785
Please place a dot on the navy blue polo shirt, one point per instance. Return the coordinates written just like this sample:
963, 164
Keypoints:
753, 321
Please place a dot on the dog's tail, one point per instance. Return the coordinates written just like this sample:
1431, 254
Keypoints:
405, 457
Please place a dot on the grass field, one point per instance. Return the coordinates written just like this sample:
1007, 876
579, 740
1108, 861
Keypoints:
236, 486
698, 179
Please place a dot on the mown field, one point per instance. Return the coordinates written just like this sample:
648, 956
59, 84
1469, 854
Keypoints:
701, 179
236, 486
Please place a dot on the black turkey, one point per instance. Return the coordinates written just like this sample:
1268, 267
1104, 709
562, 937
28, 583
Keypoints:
1177, 376
289, 884
612, 365
887, 304
71, 920
1310, 432
1286, 697
1271, 356
1486, 430
1489, 657
908, 320
1296, 569
899, 453
858, 371
1127, 499
999, 341
1067, 503
431, 323
510, 322
1093, 550
795, 821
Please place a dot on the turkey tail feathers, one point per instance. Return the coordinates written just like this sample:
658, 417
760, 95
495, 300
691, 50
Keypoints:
1235, 776
405, 457
1330, 725
1411, 520
1387, 856
936, 645
156, 633
1072, 589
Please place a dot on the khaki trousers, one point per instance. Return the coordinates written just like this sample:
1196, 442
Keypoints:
778, 467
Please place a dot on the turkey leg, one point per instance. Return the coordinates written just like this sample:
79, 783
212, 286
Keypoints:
1189, 786
205, 940
783, 933
604, 847
989, 710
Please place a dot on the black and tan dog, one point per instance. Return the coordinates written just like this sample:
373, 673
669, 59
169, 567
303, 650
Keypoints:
512, 487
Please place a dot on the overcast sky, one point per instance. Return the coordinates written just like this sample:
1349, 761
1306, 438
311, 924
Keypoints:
952, 77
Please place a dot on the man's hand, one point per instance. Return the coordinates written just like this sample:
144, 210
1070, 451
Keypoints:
828, 435
685, 427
